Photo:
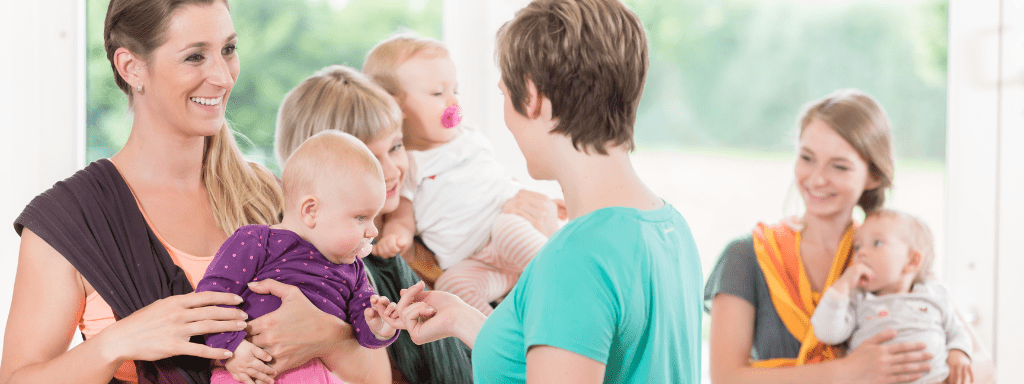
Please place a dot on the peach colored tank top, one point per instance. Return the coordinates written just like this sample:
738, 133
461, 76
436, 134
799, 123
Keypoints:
98, 314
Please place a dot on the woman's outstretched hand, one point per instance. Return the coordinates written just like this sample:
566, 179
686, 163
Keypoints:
874, 362
163, 328
434, 315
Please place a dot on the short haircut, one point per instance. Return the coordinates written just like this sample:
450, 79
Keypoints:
335, 98
915, 233
589, 57
328, 155
381, 64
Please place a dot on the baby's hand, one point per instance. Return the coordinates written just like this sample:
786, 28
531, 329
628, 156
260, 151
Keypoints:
248, 363
383, 317
959, 367
390, 245
856, 275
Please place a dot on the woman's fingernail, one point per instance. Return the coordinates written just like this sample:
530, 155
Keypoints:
253, 283
241, 325
227, 353
245, 315
238, 299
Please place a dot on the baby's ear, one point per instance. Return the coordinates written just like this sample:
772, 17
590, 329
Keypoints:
307, 210
914, 260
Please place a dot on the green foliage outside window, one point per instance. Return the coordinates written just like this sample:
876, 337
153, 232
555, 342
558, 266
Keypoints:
724, 74
736, 73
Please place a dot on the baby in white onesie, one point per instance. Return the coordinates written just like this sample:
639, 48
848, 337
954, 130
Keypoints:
458, 188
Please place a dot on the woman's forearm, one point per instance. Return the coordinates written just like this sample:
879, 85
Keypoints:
468, 326
87, 362
46, 307
342, 354
827, 372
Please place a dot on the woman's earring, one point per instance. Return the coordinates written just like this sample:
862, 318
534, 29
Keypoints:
138, 89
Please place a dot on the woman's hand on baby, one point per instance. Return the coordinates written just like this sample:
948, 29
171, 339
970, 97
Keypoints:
163, 328
959, 368
876, 362
294, 332
382, 317
542, 212
249, 365
391, 244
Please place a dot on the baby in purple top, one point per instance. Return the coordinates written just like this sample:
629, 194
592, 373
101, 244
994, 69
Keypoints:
333, 188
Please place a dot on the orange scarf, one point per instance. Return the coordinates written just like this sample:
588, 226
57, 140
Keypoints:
778, 254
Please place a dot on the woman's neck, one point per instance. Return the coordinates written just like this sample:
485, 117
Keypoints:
593, 181
825, 231
155, 154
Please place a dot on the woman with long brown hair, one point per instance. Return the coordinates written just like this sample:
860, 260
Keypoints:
766, 285
115, 249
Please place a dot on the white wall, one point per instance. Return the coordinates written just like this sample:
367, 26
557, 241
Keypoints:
985, 213
42, 109
1009, 316
469, 32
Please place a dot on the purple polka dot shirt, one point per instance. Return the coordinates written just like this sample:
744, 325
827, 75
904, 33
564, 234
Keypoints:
258, 252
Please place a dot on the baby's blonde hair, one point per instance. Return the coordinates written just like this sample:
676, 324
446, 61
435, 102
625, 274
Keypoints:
335, 98
328, 155
382, 62
915, 233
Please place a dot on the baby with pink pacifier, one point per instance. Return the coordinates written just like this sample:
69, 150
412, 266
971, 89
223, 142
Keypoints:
455, 198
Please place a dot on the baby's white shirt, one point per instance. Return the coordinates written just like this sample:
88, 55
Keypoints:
457, 191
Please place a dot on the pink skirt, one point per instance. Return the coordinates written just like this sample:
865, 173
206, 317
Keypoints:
313, 371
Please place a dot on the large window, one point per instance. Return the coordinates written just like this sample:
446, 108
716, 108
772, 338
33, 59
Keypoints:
717, 124
716, 130
281, 42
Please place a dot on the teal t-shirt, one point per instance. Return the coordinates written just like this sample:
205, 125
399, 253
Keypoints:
619, 285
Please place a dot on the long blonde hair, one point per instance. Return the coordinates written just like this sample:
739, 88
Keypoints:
335, 97
241, 192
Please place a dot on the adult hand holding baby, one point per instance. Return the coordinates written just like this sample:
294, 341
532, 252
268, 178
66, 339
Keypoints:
876, 361
538, 209
293, 332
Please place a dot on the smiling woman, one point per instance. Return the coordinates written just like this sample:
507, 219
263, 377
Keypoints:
125, 239
312, 34
188, 77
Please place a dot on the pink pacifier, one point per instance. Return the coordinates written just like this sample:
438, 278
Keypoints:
451, 117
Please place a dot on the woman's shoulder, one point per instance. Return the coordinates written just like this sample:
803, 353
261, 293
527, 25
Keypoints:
98, 183
737, 260
741, 247
607, 225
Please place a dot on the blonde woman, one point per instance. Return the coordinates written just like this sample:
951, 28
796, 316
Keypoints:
115, 249
341, 98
